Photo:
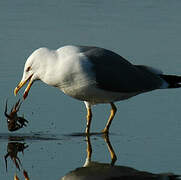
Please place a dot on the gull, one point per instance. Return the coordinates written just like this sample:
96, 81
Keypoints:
94, 75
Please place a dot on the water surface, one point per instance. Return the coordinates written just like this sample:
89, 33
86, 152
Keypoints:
145, 133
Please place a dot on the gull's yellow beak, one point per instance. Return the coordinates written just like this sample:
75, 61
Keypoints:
21, 84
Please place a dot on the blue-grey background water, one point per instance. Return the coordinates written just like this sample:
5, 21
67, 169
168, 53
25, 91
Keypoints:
146, 132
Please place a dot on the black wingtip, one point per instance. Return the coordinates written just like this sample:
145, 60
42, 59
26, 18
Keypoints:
173, 80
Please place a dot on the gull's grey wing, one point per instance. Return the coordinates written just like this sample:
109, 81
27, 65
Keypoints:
114, 73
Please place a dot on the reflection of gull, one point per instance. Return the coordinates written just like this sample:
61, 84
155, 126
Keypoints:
93, 75
108, 171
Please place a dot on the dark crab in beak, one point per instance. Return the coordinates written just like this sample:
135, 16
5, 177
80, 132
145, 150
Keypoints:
13, 120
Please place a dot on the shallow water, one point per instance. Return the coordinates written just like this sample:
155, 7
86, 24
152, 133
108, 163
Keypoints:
145, 133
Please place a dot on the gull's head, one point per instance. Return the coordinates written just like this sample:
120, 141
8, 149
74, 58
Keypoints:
32, 70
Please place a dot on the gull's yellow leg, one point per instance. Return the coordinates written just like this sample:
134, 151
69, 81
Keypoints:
112, 114
89, 118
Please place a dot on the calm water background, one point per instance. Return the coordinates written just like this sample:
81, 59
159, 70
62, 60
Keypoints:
146, 132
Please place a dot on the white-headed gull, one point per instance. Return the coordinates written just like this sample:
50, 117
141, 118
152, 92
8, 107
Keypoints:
93, 75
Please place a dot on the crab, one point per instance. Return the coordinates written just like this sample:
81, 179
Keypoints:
12, 150
13, 120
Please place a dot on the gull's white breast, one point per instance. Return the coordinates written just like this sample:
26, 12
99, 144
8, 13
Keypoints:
72, 72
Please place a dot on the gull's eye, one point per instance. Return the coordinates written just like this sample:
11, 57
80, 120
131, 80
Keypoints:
28, 69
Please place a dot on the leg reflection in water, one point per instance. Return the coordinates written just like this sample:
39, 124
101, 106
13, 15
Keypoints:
93, 170
109, 146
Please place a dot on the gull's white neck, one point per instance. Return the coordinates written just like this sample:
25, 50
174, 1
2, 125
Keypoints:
66, 68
